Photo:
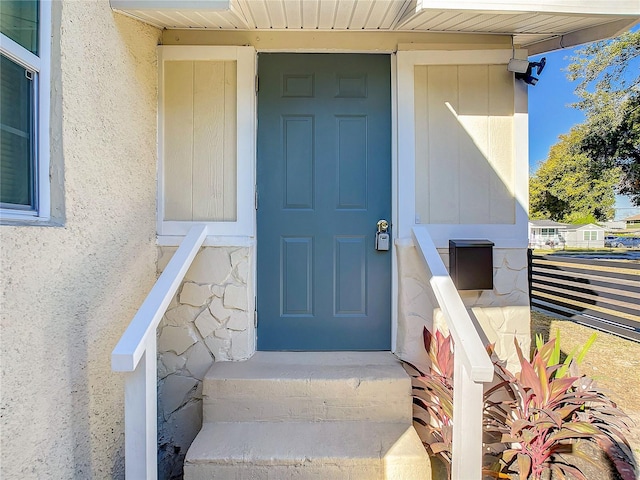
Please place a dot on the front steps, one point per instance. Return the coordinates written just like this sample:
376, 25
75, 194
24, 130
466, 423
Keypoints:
308, 415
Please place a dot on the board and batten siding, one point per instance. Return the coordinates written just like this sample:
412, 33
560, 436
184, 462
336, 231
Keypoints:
464, 144
200, 115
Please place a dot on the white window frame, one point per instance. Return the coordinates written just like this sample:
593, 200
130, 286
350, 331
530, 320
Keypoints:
590, 234
41, 65
503, 235
227, 232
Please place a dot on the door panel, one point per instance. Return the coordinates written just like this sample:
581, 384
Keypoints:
324, 180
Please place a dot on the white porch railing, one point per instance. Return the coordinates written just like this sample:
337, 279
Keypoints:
136, 353
472, 366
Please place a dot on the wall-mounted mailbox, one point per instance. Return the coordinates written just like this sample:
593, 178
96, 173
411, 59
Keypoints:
471, 264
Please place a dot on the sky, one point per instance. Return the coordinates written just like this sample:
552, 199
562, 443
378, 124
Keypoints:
551, 115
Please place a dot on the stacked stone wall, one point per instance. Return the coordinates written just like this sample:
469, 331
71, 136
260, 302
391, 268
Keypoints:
502, 314
210, 319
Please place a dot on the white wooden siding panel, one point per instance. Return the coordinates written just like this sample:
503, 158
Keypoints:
501, 148
260, 14
505, 235
170, 20
237, 141
229, 20
472, 23
344, 14
444, 145
327, 14
454, 22
243, 6
422, 144
230, 194
276, 12
200, 141
475, 171
497, 23
208, 144
178, 139
292, 9
310, 14
435, 23
191, 18
379, 13
464, 144
417, 21
361, 13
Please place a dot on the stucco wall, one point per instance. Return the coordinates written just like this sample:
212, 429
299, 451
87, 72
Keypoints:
502, 313
68, 292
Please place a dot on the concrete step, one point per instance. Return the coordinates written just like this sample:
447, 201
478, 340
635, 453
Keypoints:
307, 450
309, 386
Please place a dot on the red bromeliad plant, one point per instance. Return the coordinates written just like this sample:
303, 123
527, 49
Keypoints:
540, 414
433, 397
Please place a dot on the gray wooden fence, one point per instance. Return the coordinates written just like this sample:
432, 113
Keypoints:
603, 294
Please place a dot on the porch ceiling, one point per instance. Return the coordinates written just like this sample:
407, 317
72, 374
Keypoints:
537, 25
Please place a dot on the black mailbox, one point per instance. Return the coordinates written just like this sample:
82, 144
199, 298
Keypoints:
471, 264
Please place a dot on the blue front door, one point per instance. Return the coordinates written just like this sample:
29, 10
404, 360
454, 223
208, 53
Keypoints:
324, 181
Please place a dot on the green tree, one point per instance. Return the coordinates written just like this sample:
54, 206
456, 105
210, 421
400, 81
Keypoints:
565, 188
609, 92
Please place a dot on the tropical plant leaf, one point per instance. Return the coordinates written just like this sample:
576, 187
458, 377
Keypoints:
583, 427
586, 347
574, 471
564, 434
492, 474
438, 447
547, 351
509, 455
427, 338
620, 461
444, 355
524, 466
555, 355
558, 472
527, 375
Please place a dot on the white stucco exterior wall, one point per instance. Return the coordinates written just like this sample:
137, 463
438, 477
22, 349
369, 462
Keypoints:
68, 292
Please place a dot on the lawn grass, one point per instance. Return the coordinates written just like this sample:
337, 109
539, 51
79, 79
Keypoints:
612, 361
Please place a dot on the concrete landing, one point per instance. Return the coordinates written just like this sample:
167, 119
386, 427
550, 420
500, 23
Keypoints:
308, 415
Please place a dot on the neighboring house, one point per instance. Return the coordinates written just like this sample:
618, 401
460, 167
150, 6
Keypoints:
585, 236
124, 128
633, 221
614, 225
546, 234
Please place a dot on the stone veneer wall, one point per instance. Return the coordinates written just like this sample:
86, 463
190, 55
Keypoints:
210, 319
502, 313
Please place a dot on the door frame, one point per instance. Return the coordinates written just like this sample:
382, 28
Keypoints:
394, 174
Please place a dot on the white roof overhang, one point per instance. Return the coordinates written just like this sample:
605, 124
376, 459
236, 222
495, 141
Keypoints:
538, 25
